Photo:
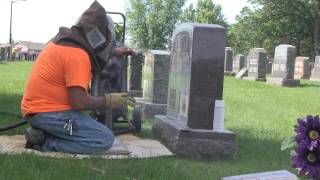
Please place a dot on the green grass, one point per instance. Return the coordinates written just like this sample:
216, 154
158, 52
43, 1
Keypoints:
261, 116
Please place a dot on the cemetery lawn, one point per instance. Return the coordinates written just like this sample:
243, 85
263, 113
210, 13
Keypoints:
261, 115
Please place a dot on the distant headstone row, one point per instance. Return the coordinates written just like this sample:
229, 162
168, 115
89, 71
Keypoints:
286, 69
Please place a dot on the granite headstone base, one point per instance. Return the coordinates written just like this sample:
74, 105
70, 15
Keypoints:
283, 82
229, 73
194, 143
149, 109
254, 79
314, 79
135, 93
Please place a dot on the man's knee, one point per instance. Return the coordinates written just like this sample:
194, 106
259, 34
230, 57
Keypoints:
107, 139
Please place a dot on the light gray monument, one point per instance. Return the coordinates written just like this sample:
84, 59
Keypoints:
283, 66
228, 62
302, 68
315, 75
155, 83
135, 75
195, 83
257, 60
238, 63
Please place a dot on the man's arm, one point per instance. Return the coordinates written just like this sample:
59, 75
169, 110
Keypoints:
121, 51
81, 100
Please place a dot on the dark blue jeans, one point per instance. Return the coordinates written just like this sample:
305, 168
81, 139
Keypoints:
88, 136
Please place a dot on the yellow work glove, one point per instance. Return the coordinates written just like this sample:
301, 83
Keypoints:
115, 100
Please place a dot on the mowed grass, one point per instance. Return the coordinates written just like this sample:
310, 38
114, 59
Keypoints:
261, 115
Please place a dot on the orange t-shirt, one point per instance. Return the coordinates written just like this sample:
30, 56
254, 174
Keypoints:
57, 68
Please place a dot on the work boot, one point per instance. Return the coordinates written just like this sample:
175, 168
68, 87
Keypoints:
35, 138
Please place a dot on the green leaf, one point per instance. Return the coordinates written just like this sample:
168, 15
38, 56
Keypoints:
288, 143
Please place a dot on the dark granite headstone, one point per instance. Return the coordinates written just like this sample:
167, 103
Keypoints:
228, 59
228, 62
283, 66
135, 75
269, 66
155, 83
315, 75
4, 52
238, 63
302, 68
195, 82
257, 60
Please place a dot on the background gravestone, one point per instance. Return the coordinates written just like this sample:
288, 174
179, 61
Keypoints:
283, 66
195, 82
228, 62
302, 68
135, 75
246, 61
315, 74
238, 63
257, 60
269, 66
155, 83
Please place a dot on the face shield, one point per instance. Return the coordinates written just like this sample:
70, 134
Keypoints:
96, 39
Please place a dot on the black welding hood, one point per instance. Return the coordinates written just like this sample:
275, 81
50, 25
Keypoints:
92, 33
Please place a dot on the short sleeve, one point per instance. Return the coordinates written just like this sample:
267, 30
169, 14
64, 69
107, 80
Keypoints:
77, 68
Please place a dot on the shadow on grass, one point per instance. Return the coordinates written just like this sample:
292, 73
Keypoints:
310, 85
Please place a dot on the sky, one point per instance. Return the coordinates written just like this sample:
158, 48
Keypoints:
39, 20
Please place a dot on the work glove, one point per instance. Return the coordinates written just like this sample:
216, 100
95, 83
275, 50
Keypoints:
115, 100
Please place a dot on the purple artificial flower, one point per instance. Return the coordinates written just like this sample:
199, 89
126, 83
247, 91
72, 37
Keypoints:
307, 161
308, 132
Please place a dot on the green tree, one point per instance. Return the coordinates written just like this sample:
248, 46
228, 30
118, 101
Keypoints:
274, 22
205, 12
151, 22
188, 14
247, 32
295, 21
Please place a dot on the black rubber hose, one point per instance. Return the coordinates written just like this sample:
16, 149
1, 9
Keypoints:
14, 125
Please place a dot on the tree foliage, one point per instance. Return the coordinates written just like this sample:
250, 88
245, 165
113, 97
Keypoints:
266, 24
274, 22
205, 12
151, 22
